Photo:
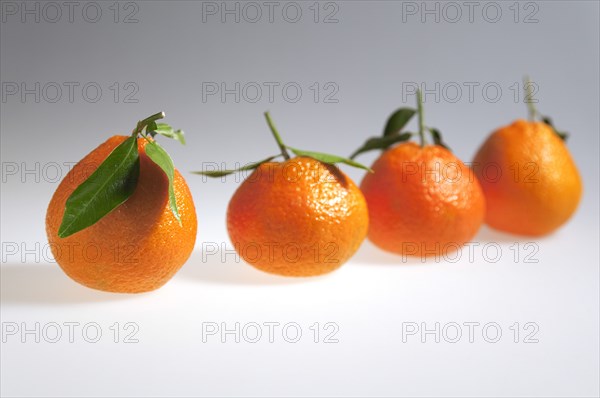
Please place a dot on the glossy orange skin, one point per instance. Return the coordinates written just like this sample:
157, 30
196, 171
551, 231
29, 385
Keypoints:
300, 217
531, 183
138, 246
423, 201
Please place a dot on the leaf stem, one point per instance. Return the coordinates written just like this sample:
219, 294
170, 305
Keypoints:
421, 118
529, 99
282, 147
143, 123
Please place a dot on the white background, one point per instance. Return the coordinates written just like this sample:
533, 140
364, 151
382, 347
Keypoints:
371, 51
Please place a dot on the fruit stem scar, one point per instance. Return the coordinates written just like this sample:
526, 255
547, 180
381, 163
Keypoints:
282, 147
421, 122
143, 123
529, 98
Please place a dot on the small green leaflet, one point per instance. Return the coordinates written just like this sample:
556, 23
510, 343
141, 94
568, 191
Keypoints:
381, 143
398, 120
221, 173
111, 184
327, 158
166, 130
437, 138
562, 134
391, 133
159, 156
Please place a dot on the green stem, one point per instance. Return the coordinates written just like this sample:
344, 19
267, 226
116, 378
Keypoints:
284, 151
421, 118
143, 123
529, 99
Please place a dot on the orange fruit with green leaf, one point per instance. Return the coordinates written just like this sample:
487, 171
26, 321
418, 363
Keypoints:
531, 183
423, 200
123, 218
298, 217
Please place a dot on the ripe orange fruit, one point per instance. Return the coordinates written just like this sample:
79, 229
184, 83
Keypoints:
422, 201
300, 217
139, 245
530, 181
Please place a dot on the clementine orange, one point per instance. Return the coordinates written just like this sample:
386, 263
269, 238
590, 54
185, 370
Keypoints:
422, 201
139, 245
300, 217
531, 183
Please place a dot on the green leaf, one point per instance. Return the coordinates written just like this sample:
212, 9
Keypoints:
381, 143
165, 130
111, 184
548, 121
562, 134
437, 138
329, 159
159, 156
150, 128
221, 173
180, 136
398, 120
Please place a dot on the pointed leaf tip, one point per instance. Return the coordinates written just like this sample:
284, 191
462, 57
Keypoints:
328, 158
563, 135
159, 156
222, 173
398, 120
437, 138
381, 143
